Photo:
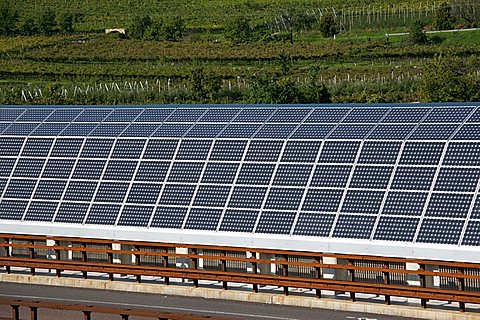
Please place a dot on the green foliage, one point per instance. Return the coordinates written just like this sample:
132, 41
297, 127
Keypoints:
139, 25
328, 26
174, 29
27, 26
8, 18
417, 35
65, 22
203, 85
443, 19
46, 22
238, 30
449, 78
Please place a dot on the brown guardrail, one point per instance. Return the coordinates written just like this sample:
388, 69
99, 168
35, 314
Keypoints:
284, 260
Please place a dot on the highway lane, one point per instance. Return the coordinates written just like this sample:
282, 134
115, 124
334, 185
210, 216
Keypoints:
212, 307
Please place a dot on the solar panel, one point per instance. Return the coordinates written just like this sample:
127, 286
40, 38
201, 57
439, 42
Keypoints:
387, 173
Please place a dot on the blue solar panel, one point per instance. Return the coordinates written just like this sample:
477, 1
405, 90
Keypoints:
327, 115
49, 129
433, 132
33, 115
78, 129
448, 115
219, 115
382, 173
289, 115
312, 131
123, 115
314, 224
63, 115
406, 115
365, 115
254, 115
274, 222
154, 115
276, 131
205, 130
9, 115
93, 115
185, 115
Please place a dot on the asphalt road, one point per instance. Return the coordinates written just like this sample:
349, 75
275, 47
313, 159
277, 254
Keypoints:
212, 307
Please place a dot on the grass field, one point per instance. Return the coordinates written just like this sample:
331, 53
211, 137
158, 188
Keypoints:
360, 54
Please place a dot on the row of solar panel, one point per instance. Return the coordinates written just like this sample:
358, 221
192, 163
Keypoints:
456, 179
256, 114
258, 131
338, 152
432, 230
438, 204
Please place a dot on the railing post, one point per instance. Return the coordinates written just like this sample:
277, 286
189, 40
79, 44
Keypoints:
137, 262
254, 270
351, 272
318, 275
423, 284
165, 265
195, 266
15, 312
224, 268
386, 280
110, 261
285, 272
461, 282
32, 256
58, 272
84, 259
34, 313
8, 254
87, 315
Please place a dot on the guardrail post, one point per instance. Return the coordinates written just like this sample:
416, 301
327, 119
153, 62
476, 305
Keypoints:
386, 280
15, 312
87, 315
32, 256
33, 313
195, 266
318, 275
84, 259
254, 270
58, 272
351, 273
165, 265
8, 254
423, 284
285, 272
110, 261
137, 262
224, 268
461, 282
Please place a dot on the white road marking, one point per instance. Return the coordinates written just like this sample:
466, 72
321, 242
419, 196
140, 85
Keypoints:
153, 307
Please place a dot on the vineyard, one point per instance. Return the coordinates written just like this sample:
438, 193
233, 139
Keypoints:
282, 45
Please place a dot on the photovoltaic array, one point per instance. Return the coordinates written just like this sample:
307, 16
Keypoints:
408, 174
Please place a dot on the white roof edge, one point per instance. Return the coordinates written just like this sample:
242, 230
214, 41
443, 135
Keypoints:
254, 241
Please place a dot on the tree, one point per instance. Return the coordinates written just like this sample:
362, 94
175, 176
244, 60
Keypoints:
417, 35
238, 30
65, 22
174, 29
27, 26
443, 19
449, 78
8, 18
139, 25
328, 26
46, 22
204, 85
